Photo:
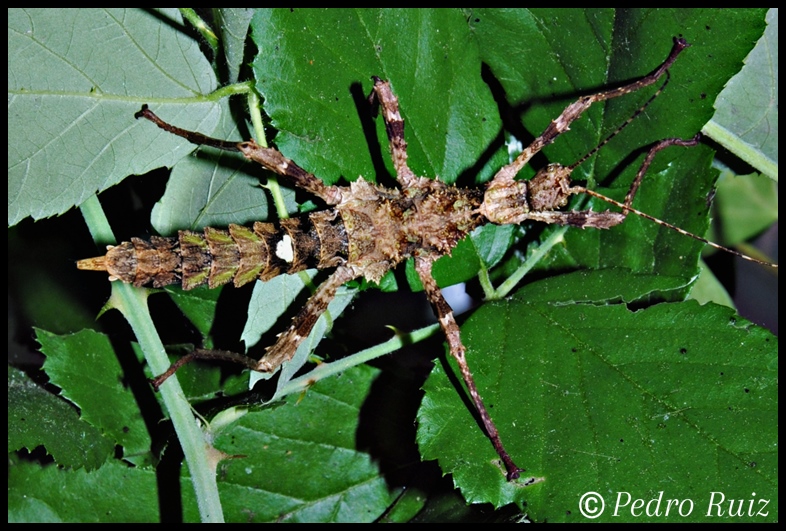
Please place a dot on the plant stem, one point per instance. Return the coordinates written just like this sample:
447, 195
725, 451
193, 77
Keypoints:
132, 303
259, 132
202, 27
323, 370
507, 286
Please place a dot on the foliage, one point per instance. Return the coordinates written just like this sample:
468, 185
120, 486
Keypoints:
600, 375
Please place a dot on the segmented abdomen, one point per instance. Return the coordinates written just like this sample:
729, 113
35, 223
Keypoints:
239, 254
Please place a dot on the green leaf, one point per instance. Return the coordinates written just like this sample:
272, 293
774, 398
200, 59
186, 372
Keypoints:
492, 242
38, 418
98, 392
676, 397
314, 69
269, 302
49, 494
750, 199
83, 94
746, 121
233, 23
199, 305
300, 463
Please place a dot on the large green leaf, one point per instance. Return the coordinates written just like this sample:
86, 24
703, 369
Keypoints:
50, 494
38, 418
72, 97
100, 395
300, 460
314, 69
456, 73
677, 397
746, 121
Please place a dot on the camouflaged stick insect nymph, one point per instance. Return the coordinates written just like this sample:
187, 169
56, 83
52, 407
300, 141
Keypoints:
369, 229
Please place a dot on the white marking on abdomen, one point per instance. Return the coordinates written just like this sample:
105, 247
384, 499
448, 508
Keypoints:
284, 249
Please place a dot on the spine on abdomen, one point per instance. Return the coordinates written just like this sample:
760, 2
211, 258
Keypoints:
239, 254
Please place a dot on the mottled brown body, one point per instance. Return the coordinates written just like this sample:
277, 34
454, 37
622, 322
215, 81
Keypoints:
369, 229
239, 254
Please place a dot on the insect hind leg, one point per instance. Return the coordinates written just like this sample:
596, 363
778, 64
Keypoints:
269, 158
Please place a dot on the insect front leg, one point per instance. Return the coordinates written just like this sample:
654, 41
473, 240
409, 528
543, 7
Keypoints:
457, 349
574, 111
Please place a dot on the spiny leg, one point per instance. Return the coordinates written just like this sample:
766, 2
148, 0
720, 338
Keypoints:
304, 321
457, 350
623, 126
556, 177
288, 342
203, 354
573, 111
270, 158
394, 125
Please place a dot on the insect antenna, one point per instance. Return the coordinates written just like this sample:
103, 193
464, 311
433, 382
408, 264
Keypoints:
659, 146
626, 206
623, 126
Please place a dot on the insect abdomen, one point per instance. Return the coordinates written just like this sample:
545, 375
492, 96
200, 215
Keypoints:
239, 254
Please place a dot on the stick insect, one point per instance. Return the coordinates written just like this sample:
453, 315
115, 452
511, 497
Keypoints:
368, 229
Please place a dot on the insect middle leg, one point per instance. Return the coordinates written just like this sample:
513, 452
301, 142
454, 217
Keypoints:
394, 125
457, 349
